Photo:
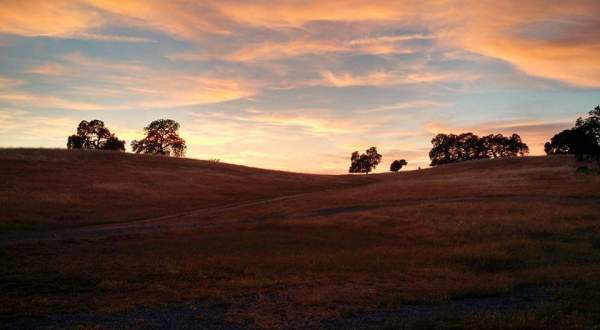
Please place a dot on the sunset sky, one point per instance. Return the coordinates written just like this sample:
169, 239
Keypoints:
297, 85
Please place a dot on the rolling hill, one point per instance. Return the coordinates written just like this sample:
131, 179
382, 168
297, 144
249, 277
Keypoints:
47, 189
96, 239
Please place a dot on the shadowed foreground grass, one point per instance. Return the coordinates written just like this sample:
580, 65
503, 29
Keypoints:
423, 238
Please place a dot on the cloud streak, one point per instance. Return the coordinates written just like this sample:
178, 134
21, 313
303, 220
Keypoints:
494, 30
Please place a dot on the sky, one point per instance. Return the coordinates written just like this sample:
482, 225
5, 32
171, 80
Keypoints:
297, 85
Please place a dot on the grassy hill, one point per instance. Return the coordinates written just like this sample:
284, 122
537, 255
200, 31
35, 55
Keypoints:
47, 189
507, 243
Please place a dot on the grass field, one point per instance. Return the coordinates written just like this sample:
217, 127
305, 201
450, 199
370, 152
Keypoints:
49, 189
84, 243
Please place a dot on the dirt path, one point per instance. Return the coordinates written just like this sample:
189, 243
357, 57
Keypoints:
179, 220
199, 218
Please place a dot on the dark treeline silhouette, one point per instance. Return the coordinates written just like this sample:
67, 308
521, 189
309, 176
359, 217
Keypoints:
397, 165
364, 163
451, 148
583, 140
94, 135
161, 138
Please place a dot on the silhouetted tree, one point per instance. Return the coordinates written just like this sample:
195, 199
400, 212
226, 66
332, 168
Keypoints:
442, 151
562, 143
497, 146
583, 140
451, 148
397, 165
366, 162
112, 143
75, 142
94, 135
516, 146
161, 139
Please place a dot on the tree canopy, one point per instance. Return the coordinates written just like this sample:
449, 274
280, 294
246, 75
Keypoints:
94, 135
583, 140
161, 138
397, 165
366, 162
451, 148
564, 142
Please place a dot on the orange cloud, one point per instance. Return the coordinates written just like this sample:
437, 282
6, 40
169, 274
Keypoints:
269, 50
125, 85
407, 105
566, 50
273, 50
51, 69
575, 64
494, 29
184, 90
380, 78
184, 19
110, 37
297, 13
346, 79
47, 18
7, 83
36, 100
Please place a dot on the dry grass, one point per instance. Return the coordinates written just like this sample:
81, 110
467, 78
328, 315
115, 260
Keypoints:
48, 189
476, 229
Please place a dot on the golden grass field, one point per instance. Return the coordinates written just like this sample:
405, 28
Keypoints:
103, 240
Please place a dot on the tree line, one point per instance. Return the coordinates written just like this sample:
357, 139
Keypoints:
582, 140
449, 148
162, 138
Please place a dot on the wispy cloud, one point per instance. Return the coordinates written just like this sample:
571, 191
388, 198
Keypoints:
155, 88
9, 83
11, 93
303, 45
123, 85
380, 78
19, 128
390, 39
111, 38
46, 101
51, 69
498, 30
47, 18
408, 105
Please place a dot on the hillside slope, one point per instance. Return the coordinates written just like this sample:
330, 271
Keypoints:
508, 243
47, 189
